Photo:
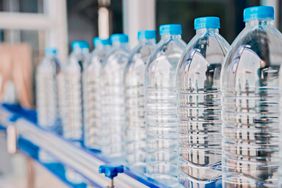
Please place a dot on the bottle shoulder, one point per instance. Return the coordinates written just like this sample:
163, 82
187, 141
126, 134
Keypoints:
254, 55
117, 57
49, 64
138, 60
140, 55
95, 64
204, 50
265, 42
97, 58
168, 51
212, 46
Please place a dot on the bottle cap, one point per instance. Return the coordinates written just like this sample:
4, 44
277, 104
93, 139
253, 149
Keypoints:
146, 34
258, 12
207, 22
121, 38
79, 44
98, 41
51, 51
172, 29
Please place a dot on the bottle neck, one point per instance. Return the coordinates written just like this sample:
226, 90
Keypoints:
80, 50
169, 36
147, 41
99, 47
119, 45
260, 22
51, 56
207, 30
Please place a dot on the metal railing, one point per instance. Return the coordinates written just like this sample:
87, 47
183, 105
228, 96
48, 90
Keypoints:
84, 162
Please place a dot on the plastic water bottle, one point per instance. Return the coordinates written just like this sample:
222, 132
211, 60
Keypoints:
250, 84
47, 96
62, 103
46, 89
113, 102
198, 82
73, 120
92, 94
161, 106
73, 103
135, 137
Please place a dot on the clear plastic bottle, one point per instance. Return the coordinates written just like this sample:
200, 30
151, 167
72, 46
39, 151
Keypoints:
73, 103
46, 90
113, 99
47, 96
198, 81
73, 118
62, 96
250, 84
161, 106
135, 132
92, 94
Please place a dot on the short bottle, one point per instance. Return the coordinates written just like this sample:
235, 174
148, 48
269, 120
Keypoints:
113, 99
92, 87
135, 132
251, 80
199, 105
161, 106
73, 119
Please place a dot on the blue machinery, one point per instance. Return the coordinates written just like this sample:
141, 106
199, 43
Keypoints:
23, 135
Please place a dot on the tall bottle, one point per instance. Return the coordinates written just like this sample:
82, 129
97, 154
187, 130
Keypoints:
250, 85
161, 106
199, 103
135, 132
47, 90
73, 120
113, 98
47, 96
92, 94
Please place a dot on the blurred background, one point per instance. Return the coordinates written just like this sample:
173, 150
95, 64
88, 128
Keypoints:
27, 27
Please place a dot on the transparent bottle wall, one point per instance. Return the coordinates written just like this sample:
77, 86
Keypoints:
251, 104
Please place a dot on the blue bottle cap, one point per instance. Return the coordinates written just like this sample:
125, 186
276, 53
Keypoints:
146, 34
171, 29
207, 22
97, 41
51, 51
79, 44
121, 38
258, 12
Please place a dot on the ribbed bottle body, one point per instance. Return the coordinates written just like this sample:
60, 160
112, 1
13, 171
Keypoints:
135, 132
161, 111
199, 98
251, 107
47, 92
92, 86
113, 103
73, 83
